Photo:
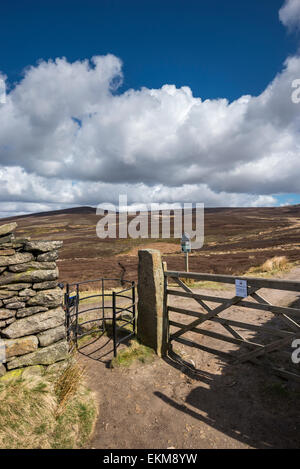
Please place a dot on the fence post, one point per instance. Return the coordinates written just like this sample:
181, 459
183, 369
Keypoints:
67, 310
76, 312
151, 319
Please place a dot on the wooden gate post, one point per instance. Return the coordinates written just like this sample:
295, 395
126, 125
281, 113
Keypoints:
151, 320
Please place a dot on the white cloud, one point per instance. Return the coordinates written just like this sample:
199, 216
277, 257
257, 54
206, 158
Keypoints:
289, 14
67, 138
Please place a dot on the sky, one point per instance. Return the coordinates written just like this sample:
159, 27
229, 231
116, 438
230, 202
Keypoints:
165, 101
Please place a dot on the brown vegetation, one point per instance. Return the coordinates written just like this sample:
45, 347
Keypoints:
236, 240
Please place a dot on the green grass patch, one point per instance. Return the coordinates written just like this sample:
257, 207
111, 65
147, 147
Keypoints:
88, 337
51, 410
136, 352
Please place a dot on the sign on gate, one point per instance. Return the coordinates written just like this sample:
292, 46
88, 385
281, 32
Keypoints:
241, 288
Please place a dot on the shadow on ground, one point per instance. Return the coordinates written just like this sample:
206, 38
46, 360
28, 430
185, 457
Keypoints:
244, 401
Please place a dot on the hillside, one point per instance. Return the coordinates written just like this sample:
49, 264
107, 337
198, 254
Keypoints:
235, 239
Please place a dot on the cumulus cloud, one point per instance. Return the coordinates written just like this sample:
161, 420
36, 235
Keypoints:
289, 14
67, 137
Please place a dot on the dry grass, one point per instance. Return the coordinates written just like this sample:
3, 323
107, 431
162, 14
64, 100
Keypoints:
272, 266
67, 384
26, 414
52, 410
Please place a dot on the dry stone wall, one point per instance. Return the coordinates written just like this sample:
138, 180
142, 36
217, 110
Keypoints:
32, 319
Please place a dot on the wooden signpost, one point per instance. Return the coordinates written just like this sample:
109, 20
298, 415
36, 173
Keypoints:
186, 248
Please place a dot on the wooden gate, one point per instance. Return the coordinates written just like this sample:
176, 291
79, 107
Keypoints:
259, 353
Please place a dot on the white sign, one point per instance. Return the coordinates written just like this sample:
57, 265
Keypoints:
186, 247
241, 288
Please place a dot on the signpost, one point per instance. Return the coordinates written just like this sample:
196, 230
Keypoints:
186, 248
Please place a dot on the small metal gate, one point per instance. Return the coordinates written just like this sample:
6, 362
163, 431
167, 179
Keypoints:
77, 316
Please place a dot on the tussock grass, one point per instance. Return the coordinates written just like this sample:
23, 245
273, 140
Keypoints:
136, 352
273, 266
54, 410
67, 384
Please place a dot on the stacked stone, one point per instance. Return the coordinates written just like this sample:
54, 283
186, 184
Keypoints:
32, 319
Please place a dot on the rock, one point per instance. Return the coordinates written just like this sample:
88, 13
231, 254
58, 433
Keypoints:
11, 300
47, 256
15, 347
6, 240
16, 305
44, 356
18, 258
2, 370
7, 252
6, 294
22, 240
43, 246
6, 313
58, 368
17, 286
27, 292
11, 376
45, 285
8, 228
35, 323
18, 243
33, 372
2, 269
49, 298
22, 313
1, 303
51, 336
29, 276
10, 320
32, 265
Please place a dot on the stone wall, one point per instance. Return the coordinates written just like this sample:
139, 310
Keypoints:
32, 319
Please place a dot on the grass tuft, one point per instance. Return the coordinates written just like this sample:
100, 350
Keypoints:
55, 410
136, 352
273, 266
67, 384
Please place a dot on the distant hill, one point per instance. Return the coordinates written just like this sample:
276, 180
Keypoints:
235, 239
87, 210
64, 211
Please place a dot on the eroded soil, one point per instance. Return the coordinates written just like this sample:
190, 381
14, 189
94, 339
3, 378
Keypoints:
197, 397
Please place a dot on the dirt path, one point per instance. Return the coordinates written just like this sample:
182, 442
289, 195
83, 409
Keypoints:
211, 404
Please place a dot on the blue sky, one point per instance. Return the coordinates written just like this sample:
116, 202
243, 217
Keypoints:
216, 50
